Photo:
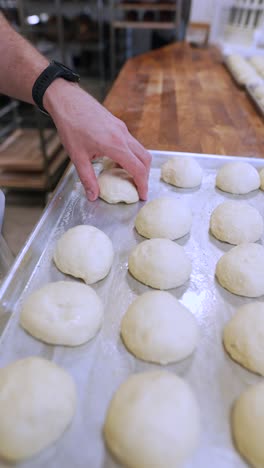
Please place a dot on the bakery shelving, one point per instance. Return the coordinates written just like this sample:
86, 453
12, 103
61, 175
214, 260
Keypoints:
32, 159
72, 27
143, 15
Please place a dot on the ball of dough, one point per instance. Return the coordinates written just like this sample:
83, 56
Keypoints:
235, 222
261, 174
258, 62
158, 328
37, 403
244, 337
160, 263
248, 424
241, 270
258, 91
84, 252
153, 421
238, 178
62, 313
117, 186
182, 172
243, 72
164, 217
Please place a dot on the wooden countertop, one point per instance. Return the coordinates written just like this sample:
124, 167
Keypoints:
183, 99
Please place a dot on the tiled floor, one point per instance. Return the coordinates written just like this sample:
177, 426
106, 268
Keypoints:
22, 211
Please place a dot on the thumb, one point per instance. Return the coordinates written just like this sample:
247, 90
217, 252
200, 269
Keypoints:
88, 178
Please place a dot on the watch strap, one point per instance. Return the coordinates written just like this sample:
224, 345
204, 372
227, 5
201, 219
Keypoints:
53, 71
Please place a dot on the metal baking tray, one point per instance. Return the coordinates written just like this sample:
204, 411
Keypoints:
101, 365
251, 91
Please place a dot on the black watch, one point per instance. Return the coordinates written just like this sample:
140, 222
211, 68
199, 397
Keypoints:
53, 71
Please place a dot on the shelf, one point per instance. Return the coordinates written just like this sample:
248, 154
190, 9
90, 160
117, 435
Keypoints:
22, 151
143, 25
35, 181
91, 46
8, 108
145, 15
146, 6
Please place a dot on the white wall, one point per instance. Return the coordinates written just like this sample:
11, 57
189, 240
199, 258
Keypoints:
214, 12
203, 10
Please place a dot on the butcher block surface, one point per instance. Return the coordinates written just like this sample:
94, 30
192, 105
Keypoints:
181, 98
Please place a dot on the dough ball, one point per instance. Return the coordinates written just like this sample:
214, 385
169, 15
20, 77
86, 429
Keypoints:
153, 421
236, 223
84, 252
248, 424
182, 172
261, 174
117, 186
241, 69
62, 313
37, 403
244, 337
241, 270
160, 263
164, 217
158, 328
238, 178
258, 91
258, 62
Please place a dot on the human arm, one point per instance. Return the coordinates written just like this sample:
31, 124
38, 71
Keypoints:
87, 130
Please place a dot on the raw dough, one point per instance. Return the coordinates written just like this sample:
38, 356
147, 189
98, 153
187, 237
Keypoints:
244, 336
261, 174
116, 186
153, 421
243, 72
258, 92
182, 172
238, 178
241, 270
248, 424
164, 217
37, 403
84, 252
158, 328
258, 63
62, 313
236, 222
160, 263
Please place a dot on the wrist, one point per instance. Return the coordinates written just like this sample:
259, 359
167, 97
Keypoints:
56, 91
44, 83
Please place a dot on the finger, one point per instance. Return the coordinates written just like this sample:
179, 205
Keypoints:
128, 160
87, 176
140, 152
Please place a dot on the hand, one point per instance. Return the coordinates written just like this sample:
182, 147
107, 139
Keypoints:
87, 131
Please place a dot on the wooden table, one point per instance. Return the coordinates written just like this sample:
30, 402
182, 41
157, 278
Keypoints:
183, 99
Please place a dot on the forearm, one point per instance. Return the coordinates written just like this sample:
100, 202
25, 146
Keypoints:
86, 129
21, 64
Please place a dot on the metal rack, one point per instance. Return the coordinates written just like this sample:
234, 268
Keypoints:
12, 124
66, 47
117, 22
30, 159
